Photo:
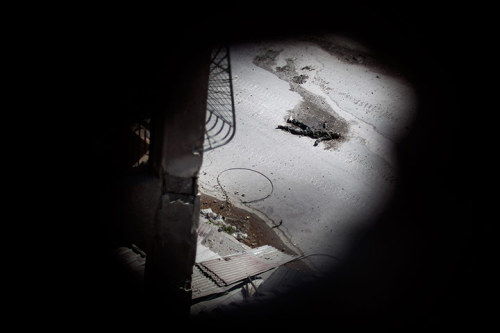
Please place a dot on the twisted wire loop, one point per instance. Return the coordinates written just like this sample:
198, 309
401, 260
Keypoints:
220, 122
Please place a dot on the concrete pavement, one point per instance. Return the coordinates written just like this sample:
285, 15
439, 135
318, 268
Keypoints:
322, 194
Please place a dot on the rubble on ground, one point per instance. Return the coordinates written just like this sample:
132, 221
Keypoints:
220, 222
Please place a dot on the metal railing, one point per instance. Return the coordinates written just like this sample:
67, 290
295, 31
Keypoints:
220, 123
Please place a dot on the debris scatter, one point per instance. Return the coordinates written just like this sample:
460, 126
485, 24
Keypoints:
299, 128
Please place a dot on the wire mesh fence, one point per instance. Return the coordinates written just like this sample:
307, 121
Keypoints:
220, 123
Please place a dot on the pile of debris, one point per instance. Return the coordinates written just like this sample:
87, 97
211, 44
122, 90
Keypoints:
299, 128
220, 222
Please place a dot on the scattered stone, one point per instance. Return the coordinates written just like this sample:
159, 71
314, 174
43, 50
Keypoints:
208, 213
283, 68
309, 68
300, 79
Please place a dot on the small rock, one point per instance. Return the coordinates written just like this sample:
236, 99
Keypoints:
300, 79
208, 213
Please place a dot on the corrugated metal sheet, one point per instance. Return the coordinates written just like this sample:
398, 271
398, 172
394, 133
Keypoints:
214, 276
203, 286
231, 269
133, 262
272, 255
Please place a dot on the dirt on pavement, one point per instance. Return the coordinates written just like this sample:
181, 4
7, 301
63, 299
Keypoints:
257, 230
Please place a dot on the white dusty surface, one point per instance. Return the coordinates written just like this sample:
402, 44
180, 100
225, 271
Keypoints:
321, 195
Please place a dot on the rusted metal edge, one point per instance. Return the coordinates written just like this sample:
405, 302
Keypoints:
208, 273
